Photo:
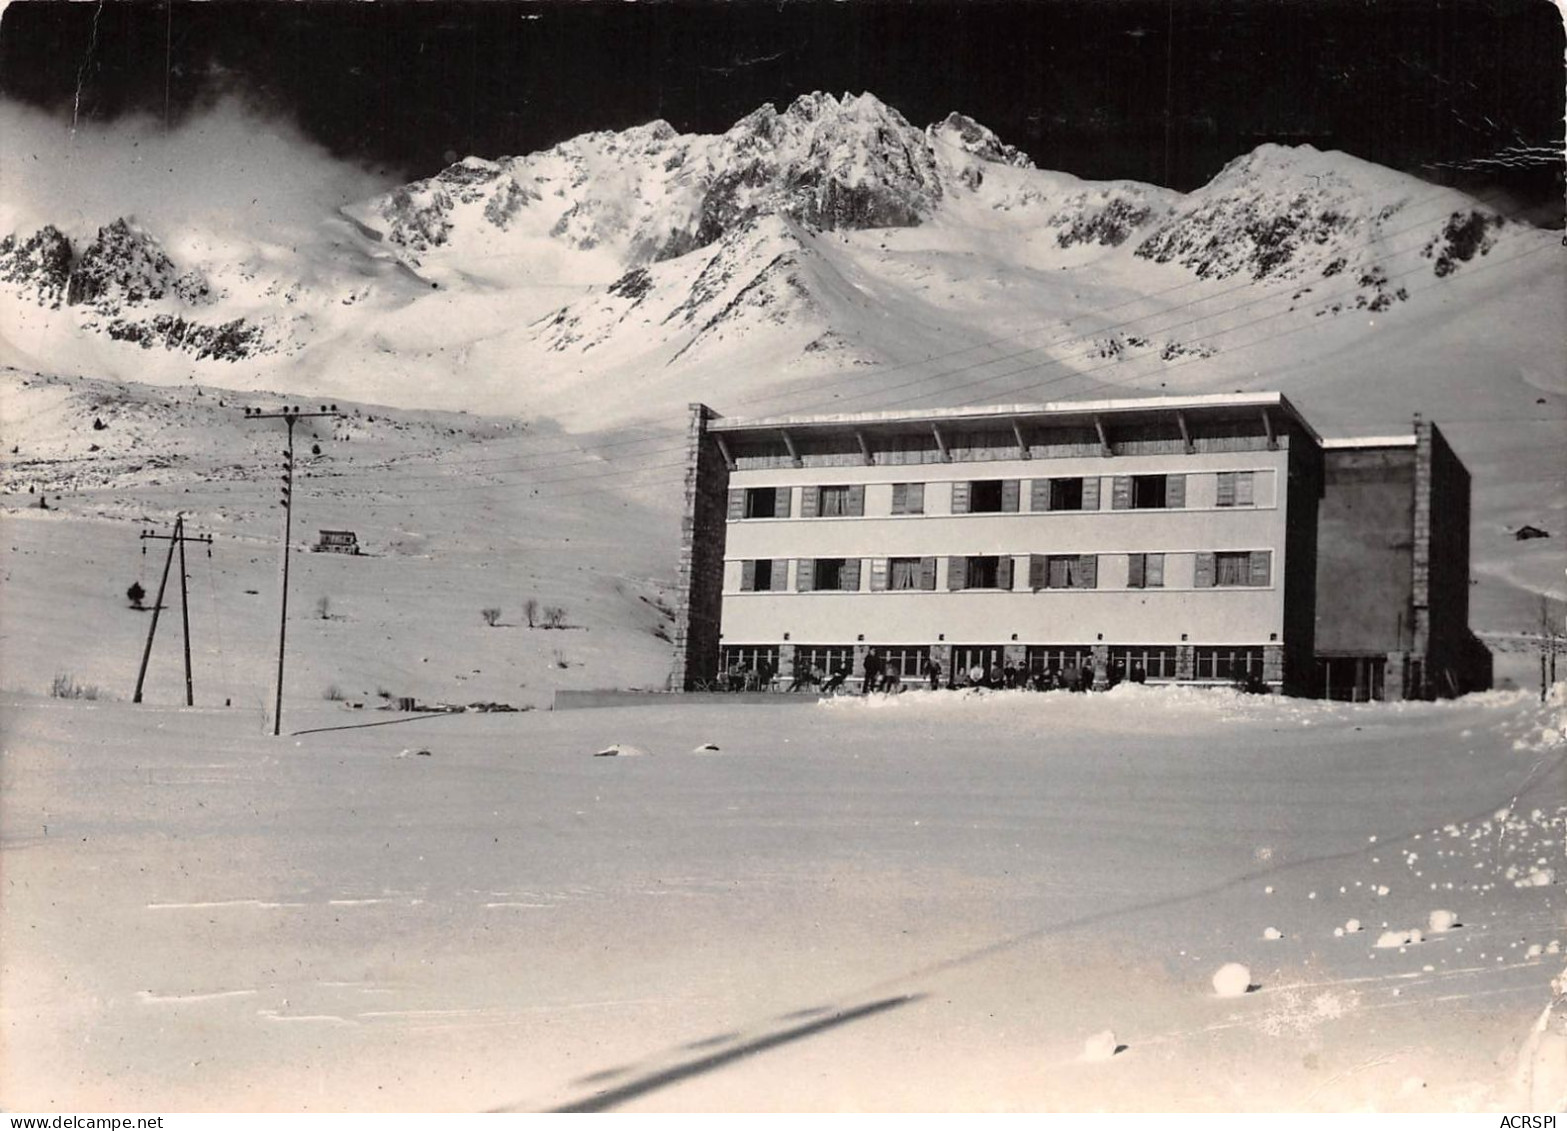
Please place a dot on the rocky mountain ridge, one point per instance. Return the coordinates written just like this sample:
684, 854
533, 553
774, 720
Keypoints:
831, 236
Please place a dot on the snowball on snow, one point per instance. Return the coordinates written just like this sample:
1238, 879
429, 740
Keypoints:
1232, 980
1407, 936
1439, 921
1101, 1046
1352, 926
1535, 951
1272, 933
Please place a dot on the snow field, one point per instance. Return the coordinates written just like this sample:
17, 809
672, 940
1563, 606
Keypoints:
914, 904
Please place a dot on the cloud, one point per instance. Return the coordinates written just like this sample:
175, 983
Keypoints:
225, 169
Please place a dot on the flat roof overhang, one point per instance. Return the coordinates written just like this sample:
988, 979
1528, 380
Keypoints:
1086, 414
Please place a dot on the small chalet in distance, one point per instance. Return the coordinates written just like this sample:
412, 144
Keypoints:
336, 542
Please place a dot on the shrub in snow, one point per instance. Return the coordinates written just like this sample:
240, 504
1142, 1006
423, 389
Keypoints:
1233, 979
1440, 921
1101, 1046
1271, 934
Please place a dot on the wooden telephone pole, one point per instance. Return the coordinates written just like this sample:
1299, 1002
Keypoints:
177, 538
288, 416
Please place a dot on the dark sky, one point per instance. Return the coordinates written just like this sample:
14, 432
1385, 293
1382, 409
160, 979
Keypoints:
1155, 91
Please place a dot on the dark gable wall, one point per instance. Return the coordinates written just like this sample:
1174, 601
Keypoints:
1365, 539
1302, 599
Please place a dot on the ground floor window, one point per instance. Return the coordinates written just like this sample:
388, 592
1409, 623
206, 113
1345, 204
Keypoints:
1353, 679
904, 661
822, 658
1043, 658
1228, 663
1154, 661
749, 667
966, 658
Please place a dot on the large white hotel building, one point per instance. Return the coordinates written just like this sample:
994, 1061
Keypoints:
1181, 535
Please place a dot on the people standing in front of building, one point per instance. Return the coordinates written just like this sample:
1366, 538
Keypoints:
873, 668
933, 672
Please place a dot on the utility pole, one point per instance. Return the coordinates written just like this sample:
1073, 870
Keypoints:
177, 538
288, 416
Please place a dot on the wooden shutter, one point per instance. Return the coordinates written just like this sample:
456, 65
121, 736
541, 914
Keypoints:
914, 498
849, 579
804, 574
1134, 571
780, 580
736, 503
1121, 493
856, 500
957, 573
1088, 571
1175, 491
1011, 489
960, 493
1153, 571
878, 575
1036, 571
747, 576
927, 573
810, 497
1039, 495
1226, 490
900, 498
1245, 490
1004, 572
1091, 493
1260, 561
1202, 576
781, 501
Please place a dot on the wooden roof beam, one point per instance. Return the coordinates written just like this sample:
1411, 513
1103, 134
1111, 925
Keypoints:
1022, 444
1186, 433
723, 450
865, 448
1104, 439
1267, 424
794, 452
941, 443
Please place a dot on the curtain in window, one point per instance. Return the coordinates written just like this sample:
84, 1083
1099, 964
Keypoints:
1233, 569
834, 501
903, 573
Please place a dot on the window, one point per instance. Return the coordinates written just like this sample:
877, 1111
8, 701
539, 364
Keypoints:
907, 573
1148, 492
827, 573
741, 664
1234, 664
986, 496
1069, 493
759, 502
908, 498
1063, 571
980, 571
1157, 661
905, 661
826, 658
1236, 489
1233, 568
1145, 571
1066, 494
836, 501
833, 502
1057, 657
763, 576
